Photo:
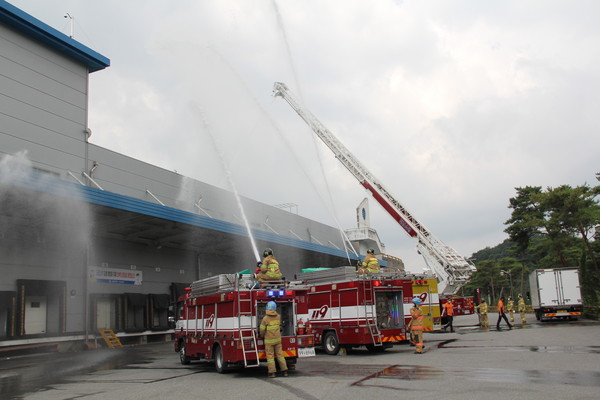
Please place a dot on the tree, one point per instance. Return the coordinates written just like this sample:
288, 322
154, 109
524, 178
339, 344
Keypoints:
527, 217
574, 212
554, 228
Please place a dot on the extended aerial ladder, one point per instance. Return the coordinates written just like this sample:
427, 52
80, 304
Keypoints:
452, 269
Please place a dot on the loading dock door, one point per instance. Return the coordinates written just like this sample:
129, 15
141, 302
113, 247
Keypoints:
35, 314
104, 314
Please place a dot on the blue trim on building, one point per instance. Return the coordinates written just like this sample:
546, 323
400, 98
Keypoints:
36, 29
59, 187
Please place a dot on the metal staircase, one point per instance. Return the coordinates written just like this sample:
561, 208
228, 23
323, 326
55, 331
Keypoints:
110, 338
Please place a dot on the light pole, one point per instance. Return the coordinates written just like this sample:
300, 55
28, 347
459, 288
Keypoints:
503, 272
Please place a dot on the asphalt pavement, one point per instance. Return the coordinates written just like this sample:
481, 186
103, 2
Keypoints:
553, 360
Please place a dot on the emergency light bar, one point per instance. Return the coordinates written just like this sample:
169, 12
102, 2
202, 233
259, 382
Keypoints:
275, 293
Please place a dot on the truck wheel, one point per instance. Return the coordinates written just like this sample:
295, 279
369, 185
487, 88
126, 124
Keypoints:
219, 362
538, 314
183, 357
331, 344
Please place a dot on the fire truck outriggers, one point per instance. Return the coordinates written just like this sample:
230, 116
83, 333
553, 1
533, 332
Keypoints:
219, 319
345, 309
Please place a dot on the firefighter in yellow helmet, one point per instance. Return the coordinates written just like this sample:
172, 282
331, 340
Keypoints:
270, 331
370, 264
416, 325
269, 268
522, 308
510, 307
483, 313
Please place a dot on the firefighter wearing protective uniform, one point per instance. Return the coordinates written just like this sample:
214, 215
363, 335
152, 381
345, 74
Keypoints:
269, 268
270, 332
522, 309
370, 264
510, 307
416, 325
483, 313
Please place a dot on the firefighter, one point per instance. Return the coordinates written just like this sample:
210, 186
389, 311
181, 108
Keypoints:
510, 307
270, 331
269, 268
483, 312
448, 311
370, 264
416, 325
501, 315
521, 307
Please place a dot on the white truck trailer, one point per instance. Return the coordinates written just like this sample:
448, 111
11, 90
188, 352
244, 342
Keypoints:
556, 294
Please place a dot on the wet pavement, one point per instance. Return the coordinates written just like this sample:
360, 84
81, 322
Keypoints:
537, 361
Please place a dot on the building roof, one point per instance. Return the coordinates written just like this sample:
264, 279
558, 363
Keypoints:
37, 30
162, 224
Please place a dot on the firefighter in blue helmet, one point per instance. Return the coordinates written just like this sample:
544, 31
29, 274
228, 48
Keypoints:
416, 325
270, 331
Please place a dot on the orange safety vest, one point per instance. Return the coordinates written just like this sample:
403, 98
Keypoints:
449, 309
500, 307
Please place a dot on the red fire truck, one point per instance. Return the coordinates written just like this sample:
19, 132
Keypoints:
347, 310
220, 317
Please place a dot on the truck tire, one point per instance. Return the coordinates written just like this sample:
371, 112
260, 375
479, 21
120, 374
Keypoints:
219, 362
183, 357
331, 344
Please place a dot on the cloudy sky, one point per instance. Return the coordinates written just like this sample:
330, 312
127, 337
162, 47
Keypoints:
450, 104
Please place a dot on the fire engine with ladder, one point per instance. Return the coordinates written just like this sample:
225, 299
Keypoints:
219, 320
348, 310
451, 269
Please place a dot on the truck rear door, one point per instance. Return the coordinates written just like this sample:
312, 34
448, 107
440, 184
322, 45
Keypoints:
548, 288
570, 290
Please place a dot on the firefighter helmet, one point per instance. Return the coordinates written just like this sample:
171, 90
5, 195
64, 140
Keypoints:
417, 300
370, 251
267, 252
272, 306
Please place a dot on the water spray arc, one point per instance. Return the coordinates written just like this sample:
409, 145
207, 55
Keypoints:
197, 111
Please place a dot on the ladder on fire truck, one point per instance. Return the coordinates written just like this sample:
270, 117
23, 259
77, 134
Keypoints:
246, 330
370, 311
452, 269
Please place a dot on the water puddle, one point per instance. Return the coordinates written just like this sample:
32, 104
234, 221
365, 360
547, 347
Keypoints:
392, 377
448, 344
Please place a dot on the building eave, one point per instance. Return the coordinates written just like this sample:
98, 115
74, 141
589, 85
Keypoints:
37, 30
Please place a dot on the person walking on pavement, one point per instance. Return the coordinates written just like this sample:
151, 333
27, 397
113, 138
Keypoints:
416, 325
448, 312
370, 264
483, 313
501, 314
270, 330
522, 308
510, 307
269, 268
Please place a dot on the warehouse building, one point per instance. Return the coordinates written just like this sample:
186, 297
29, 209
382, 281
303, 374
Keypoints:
90, 238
